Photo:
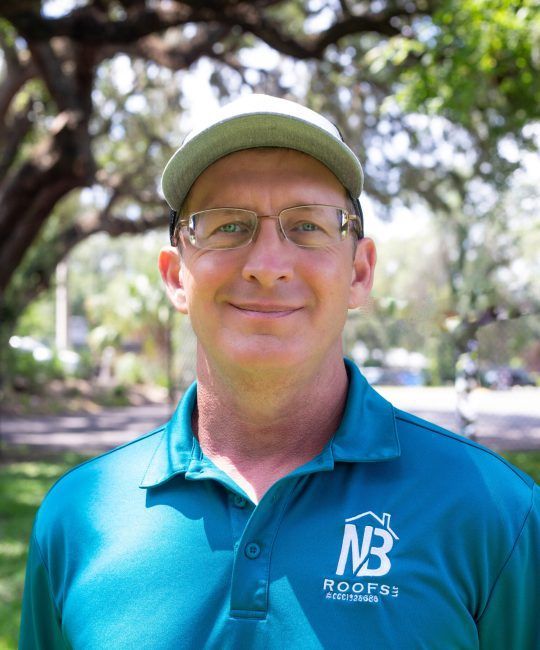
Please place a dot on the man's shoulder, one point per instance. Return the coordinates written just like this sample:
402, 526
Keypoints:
113, 473
460, 462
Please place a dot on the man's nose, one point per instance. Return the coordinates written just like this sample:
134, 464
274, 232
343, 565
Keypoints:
270, 257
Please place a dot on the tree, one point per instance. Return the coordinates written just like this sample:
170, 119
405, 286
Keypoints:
49, 111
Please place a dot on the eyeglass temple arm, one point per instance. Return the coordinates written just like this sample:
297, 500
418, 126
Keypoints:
173, 219
355, 201
358, 211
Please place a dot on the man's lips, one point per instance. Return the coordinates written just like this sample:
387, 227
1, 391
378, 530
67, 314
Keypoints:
265, 309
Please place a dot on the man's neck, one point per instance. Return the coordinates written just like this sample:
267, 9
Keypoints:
258, 430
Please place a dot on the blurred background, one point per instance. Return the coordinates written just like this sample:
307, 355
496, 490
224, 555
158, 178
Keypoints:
440, 100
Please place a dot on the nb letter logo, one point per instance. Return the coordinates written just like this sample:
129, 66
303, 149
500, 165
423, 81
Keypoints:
370, 558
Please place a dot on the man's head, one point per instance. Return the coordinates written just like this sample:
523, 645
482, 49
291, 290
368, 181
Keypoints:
266, 286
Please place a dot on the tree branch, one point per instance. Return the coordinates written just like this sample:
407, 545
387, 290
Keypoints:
11, 137
91, 26
345, 8
58, 165
179, 57
40, 270
59, 84
15, 79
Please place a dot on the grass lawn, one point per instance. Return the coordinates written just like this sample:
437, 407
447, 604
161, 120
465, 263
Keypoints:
24, 479
23, 483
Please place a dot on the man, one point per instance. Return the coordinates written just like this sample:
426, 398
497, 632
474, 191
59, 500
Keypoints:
286, 504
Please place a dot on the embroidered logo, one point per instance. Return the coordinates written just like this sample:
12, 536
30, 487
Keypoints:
365, 554
371, 558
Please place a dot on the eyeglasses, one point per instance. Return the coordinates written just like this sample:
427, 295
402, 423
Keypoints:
308, 226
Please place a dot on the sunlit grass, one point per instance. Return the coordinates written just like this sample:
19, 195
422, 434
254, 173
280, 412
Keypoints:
528, 461
23, 483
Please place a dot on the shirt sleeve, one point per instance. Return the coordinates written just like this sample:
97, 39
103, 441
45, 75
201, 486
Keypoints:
512, 616
40, 623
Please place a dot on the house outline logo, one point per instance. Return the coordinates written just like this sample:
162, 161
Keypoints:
370, 557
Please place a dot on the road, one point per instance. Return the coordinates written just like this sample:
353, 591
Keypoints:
507, 420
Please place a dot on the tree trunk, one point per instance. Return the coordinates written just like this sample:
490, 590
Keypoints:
28, 197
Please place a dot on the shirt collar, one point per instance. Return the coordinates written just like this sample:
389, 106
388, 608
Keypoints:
367, 433
178, 448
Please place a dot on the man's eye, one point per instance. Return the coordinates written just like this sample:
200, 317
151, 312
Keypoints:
229, 227
306, 226
233, 227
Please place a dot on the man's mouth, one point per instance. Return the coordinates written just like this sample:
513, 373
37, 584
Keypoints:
265, 309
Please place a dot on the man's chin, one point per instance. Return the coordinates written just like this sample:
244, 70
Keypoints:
259, 353
266, 359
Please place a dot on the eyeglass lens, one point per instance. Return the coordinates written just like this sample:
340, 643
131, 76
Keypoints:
309, 226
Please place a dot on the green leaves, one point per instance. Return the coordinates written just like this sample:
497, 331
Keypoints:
477, 60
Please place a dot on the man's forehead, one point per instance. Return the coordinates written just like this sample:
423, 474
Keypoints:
245, 160
259, 168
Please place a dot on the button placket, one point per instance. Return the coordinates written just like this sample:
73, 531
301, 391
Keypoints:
251, 570
240, 510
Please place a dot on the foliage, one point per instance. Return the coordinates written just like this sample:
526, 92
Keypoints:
29, 282
422, 287
479, 64
28, 374
527, 461
115, 288
23, 483
118, 289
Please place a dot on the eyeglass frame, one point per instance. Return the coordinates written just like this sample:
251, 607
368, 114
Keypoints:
175, 223
346, 219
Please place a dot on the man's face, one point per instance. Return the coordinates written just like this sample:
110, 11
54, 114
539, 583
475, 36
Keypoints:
270, 304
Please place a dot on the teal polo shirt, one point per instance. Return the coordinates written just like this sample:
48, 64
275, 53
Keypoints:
398, 534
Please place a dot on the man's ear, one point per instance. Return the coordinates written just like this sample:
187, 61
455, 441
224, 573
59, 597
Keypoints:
363, 270
170, 266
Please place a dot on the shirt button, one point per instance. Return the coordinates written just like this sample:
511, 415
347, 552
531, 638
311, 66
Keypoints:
252, 550
239, 501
